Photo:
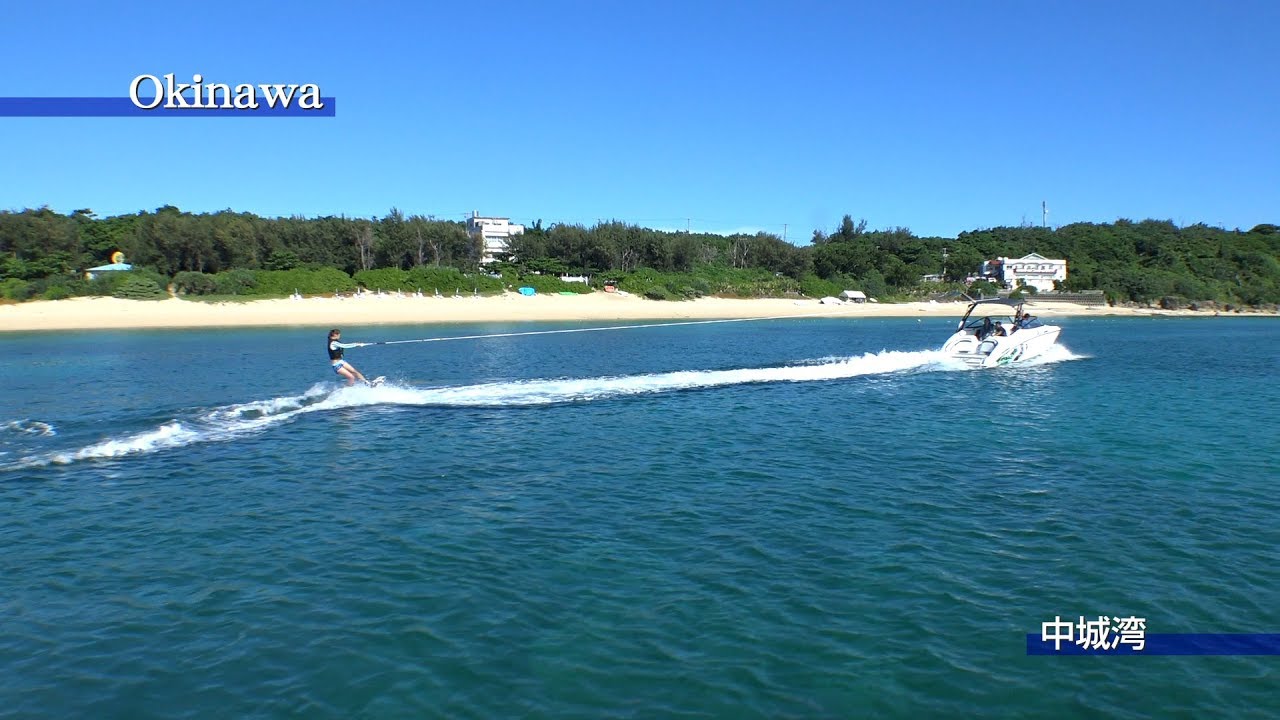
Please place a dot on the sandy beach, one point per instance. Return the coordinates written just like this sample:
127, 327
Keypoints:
111, 313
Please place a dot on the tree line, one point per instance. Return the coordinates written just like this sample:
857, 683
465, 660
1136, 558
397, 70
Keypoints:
1130, 261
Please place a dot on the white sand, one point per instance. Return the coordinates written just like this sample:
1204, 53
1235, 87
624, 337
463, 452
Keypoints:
112, 313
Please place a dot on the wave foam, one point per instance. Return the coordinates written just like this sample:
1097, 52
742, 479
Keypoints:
231, 421
29, 427
1055, 354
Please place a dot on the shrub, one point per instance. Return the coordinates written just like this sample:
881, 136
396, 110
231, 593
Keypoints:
107, 283
15, 289
57, 292
550, 284
642, 281
708, 280
234, 282
140, 288
309, 282
194, 283
430, 278
282, 260
816, 287
383, 279
983, 288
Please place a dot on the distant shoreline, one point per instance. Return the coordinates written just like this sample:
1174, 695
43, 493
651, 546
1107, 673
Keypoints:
99, 313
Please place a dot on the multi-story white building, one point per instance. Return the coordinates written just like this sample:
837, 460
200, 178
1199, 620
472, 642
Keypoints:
494, 233
1035, 270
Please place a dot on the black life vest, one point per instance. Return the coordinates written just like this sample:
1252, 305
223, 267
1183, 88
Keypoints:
335, 353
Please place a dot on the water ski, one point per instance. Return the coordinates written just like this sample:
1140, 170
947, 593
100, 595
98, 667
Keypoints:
377, 381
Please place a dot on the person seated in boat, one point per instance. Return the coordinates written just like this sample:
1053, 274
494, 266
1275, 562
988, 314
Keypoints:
999, 331
985, 330
1027, 321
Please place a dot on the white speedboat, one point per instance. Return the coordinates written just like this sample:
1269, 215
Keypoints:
997, 332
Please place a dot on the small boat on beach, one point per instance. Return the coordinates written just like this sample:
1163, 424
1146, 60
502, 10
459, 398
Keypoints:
998, 332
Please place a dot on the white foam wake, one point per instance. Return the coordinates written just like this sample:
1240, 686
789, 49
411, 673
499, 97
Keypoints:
232, 421
29, 427
1055, 354
545, 392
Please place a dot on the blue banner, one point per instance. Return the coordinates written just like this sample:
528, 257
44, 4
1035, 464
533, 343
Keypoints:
124, 107
1169, 644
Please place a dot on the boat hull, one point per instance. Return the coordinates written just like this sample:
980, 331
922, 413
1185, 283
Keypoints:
996, 351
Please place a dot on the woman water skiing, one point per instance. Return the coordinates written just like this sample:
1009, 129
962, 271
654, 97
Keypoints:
340, 365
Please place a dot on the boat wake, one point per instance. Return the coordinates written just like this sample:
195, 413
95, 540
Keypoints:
1055, 354
28, 427
233, 421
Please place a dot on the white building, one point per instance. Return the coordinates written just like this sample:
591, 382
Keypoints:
1035, 270
495, 233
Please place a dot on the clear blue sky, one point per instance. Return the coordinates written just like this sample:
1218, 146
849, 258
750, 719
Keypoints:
938, 116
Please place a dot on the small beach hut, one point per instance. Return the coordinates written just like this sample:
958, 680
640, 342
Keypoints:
853, 296
117, 265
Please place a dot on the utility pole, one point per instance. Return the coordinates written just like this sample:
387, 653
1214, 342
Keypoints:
686, 226
1044, 214
784, 232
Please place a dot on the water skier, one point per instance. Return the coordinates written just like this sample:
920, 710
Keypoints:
340, 365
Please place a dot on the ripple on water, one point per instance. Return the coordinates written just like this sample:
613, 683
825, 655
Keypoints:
629, 543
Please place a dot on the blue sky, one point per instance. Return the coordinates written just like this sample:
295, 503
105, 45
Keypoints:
937, 116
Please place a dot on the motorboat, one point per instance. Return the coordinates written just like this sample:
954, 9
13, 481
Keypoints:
998, 332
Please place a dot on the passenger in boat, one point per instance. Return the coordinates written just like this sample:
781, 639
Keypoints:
1027, 320
985, 330
999, 331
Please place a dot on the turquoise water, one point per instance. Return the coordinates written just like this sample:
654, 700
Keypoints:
808, 518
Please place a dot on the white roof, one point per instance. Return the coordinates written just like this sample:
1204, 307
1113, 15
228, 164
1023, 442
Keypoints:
854, 294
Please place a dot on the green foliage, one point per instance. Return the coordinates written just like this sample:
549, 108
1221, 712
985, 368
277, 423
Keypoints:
816, 287
550, 284
708, 280
250, 255
644, 282
15, 289
873, 284
57, 292
308, 282
383, 279
107, 284
983, 288
550, 266
1023, 290
235, 282
429, 279
194, 283
140, 288
282, 260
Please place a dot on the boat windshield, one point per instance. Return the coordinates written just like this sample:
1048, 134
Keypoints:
983, 316
979, 321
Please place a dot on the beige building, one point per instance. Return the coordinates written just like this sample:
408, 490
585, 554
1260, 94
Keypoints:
495, 234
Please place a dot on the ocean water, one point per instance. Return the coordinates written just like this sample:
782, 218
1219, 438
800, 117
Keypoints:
804, 518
